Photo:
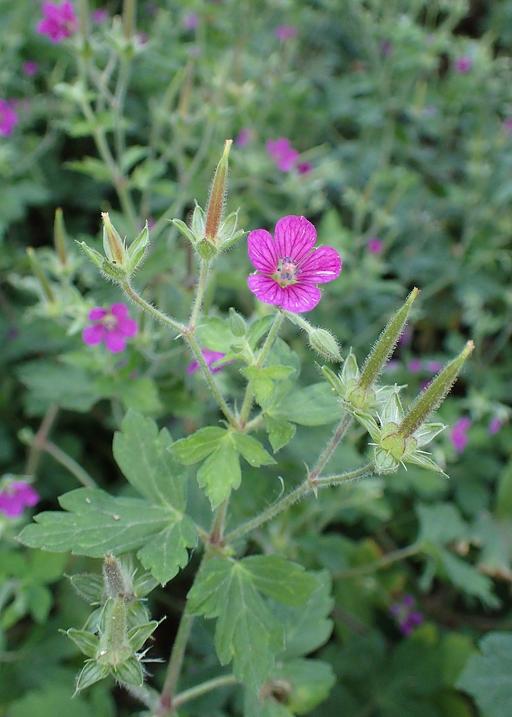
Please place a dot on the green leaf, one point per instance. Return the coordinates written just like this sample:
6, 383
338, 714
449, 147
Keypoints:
51, 382
312, 406
310, 680
468, 579
50, 701
252, 450
280, 432
220, 473
97, 523
246, 633
440, 524
143, 455
280, 579
215, 334
486, 677
200, 444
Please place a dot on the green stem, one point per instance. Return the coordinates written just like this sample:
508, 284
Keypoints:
195, 348
217, 531
272, 335
331, 446
200, 290
166, 702
203, 688
37, 445
307, 486
70, 464
176, 326
382, 562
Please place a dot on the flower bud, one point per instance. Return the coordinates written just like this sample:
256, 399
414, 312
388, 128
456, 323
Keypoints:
116, 579
324, 343
381, 352
433, 395
137, 249
217, 196
114, 647
237, 323
113, 245
59, 236
38, 272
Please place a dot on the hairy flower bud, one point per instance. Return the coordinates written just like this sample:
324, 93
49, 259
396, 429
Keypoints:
38, 272
116, 578
384, 347
324, 343
237, 323
217, 196
433, 395
113, 245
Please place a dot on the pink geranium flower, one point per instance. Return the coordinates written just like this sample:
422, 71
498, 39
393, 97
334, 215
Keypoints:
8, 118
244, 137
211, 358
112, 326
283, 153
285, 32
495, 425
191, 21
30, 68
415, 365
375, 245
304, 167
288, 266
463, 65
17, 496
99, 16
59, 21
459, 434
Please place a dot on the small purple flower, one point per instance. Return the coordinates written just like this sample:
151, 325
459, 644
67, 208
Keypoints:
375, 245
285, 32
495, 425
283, 153
406, 337
289, 267
458, 434
507, 125
17, 496
30, 68
405, 614
99, 16
244, 137
211, 358
463, 65
386, 48
433, 366
8, 118
112, 326
304, 167
415, 365
59, 21
191, 21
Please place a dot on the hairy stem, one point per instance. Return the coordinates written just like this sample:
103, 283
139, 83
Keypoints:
331, 446
382, 562
248, 399
203, 688
70, 464
303, 489
166, 703
36, 447
200, 290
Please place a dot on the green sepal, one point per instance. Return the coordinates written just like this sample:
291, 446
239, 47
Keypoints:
90, 673
185, 231
129, 672
86, 642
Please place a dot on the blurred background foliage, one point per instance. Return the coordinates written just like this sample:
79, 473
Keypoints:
401, 111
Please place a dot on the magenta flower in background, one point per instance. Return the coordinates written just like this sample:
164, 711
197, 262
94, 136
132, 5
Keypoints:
112, 327
191, 21
375, 245
8, 118
459, 434
283, 153
406, 337
433, 366
289, 267
99, 16
495, 425
415, 365
211, 358
285, 32
59, 21
406, 616
17, 496
463, 65
245, 136
304, 167
507, 125
30, 68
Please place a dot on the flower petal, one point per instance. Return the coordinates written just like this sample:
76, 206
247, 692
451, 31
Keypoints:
265, 289
115, 342
93, 335
322, 265
299, 298
97, 313
294, 237
262, 251
120, 311
127, 326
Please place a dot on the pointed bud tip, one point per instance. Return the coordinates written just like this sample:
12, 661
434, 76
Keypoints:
468, 349
413, 295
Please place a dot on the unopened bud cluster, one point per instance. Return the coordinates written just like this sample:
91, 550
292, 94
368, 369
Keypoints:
117, 630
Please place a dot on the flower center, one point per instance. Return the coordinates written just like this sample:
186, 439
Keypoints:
109, 322
286, 272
